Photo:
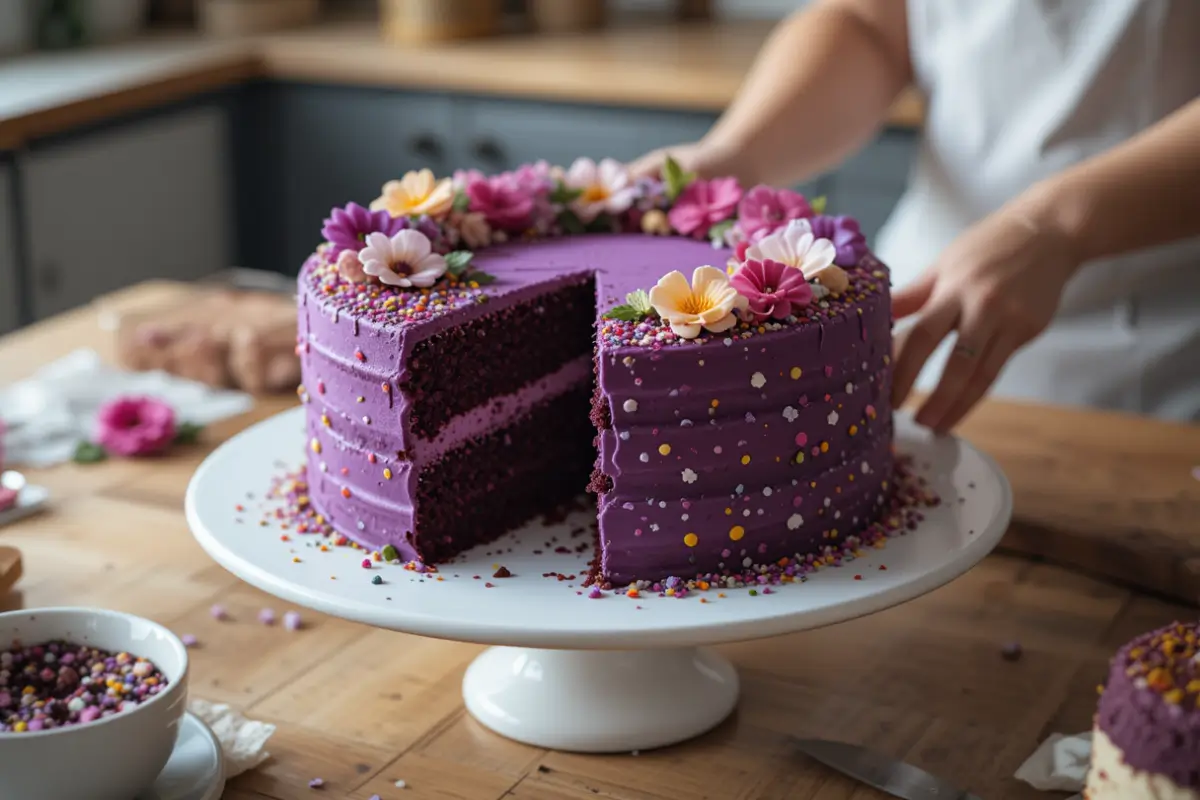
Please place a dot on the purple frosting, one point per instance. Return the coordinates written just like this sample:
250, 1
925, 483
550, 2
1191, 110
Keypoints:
1153, 734
705, 437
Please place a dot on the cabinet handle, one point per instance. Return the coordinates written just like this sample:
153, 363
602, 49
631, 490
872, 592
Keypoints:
489, 150
426, 145
49, 278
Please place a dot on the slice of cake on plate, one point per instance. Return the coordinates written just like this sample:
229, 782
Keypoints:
712, 363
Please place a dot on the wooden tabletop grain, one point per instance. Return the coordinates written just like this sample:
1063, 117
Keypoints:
363, 708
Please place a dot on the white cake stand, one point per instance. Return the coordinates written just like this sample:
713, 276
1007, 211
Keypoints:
569, 672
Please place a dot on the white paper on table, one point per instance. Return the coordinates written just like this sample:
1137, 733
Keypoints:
50, 413
243, 741
1060, 764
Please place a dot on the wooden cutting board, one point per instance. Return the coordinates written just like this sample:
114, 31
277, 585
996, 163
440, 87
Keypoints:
1112, 495
10, 569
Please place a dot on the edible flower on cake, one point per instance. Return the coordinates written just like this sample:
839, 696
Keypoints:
347, 228
771, 289
655, 223
795, 246
501, 200
764, 210
415, 194
405, 259
704, 204
710, 302
604, 188
470, 228
848, 241
350, 267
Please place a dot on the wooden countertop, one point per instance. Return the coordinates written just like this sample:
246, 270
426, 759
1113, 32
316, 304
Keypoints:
694, 67
363, 708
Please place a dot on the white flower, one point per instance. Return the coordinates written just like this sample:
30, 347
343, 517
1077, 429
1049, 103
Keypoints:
606, 187
710, 302
405, 260
795, 246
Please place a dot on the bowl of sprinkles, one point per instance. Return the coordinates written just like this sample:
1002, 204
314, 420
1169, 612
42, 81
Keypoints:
90, 702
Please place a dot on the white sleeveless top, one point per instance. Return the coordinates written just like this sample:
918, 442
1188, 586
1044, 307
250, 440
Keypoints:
1019, 90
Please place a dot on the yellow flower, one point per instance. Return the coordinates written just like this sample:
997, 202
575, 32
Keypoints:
708, 303
415, 194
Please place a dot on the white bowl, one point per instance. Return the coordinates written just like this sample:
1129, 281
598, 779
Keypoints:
114, 758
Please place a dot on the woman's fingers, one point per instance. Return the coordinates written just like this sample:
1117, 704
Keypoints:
915, 345
991, 363
910, 299
648, 166
975, 334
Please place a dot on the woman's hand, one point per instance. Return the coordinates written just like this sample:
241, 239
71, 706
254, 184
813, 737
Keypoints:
704, 159
998, 286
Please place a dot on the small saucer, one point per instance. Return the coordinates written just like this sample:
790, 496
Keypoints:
196, 770
30, 498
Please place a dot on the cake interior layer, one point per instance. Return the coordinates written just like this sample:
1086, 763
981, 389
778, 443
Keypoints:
492, 484
497, 354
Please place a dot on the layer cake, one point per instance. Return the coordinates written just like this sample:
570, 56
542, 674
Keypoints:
1146, 736
711, 363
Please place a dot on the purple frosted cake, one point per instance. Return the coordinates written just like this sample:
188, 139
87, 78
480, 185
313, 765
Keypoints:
711, 363
1146, 738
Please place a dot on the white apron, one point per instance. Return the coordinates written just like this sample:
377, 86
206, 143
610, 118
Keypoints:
1019, 90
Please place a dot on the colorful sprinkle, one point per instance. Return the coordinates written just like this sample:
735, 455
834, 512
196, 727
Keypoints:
691, 540
737, 532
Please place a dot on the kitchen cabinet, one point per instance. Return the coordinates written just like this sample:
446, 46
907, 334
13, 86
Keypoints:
132, 202
10, 307
342, 144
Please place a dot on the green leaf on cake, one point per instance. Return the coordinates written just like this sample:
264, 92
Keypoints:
562, 194
89, 453
462, 203
639, 300
188, 433
675, 179
626, 313
603, 223
570, 222
818, 204
480, 277
458, 261
717, 232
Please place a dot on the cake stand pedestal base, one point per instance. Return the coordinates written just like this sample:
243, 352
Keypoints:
600, 701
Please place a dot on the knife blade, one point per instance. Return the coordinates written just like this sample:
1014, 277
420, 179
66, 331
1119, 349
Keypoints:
882, 772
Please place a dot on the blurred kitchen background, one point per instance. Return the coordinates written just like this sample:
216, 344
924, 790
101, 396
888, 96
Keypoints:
174, 139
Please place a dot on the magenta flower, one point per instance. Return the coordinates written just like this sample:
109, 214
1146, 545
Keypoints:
502, 202
848, 240
348, 228
772, 289
135, 426
764, 210
703, 204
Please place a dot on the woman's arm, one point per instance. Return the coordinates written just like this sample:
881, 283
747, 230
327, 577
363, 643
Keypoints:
999, 284
820, 87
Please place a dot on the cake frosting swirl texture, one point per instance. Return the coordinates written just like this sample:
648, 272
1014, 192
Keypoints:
1146, 737
723, 418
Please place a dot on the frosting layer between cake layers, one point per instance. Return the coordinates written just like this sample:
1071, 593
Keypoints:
1147, 728
725, 450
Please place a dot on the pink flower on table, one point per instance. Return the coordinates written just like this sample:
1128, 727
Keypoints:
135, 426
771, 289
703, 204
763, 210
606, 188
405, 260
502, 202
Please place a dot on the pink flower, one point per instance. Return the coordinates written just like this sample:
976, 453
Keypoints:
703, 204
350, 267
772, 289
135, 426
502, 202
764, 210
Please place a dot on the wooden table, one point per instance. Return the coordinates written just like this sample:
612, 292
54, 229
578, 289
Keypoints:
362, 708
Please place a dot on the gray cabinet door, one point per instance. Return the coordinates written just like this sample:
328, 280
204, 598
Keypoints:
868, 185
342, 145
9, 301
144, 200
495, 135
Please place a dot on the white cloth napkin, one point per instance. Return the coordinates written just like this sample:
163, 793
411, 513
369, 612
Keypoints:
1060, 764
242, 740
50, 413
